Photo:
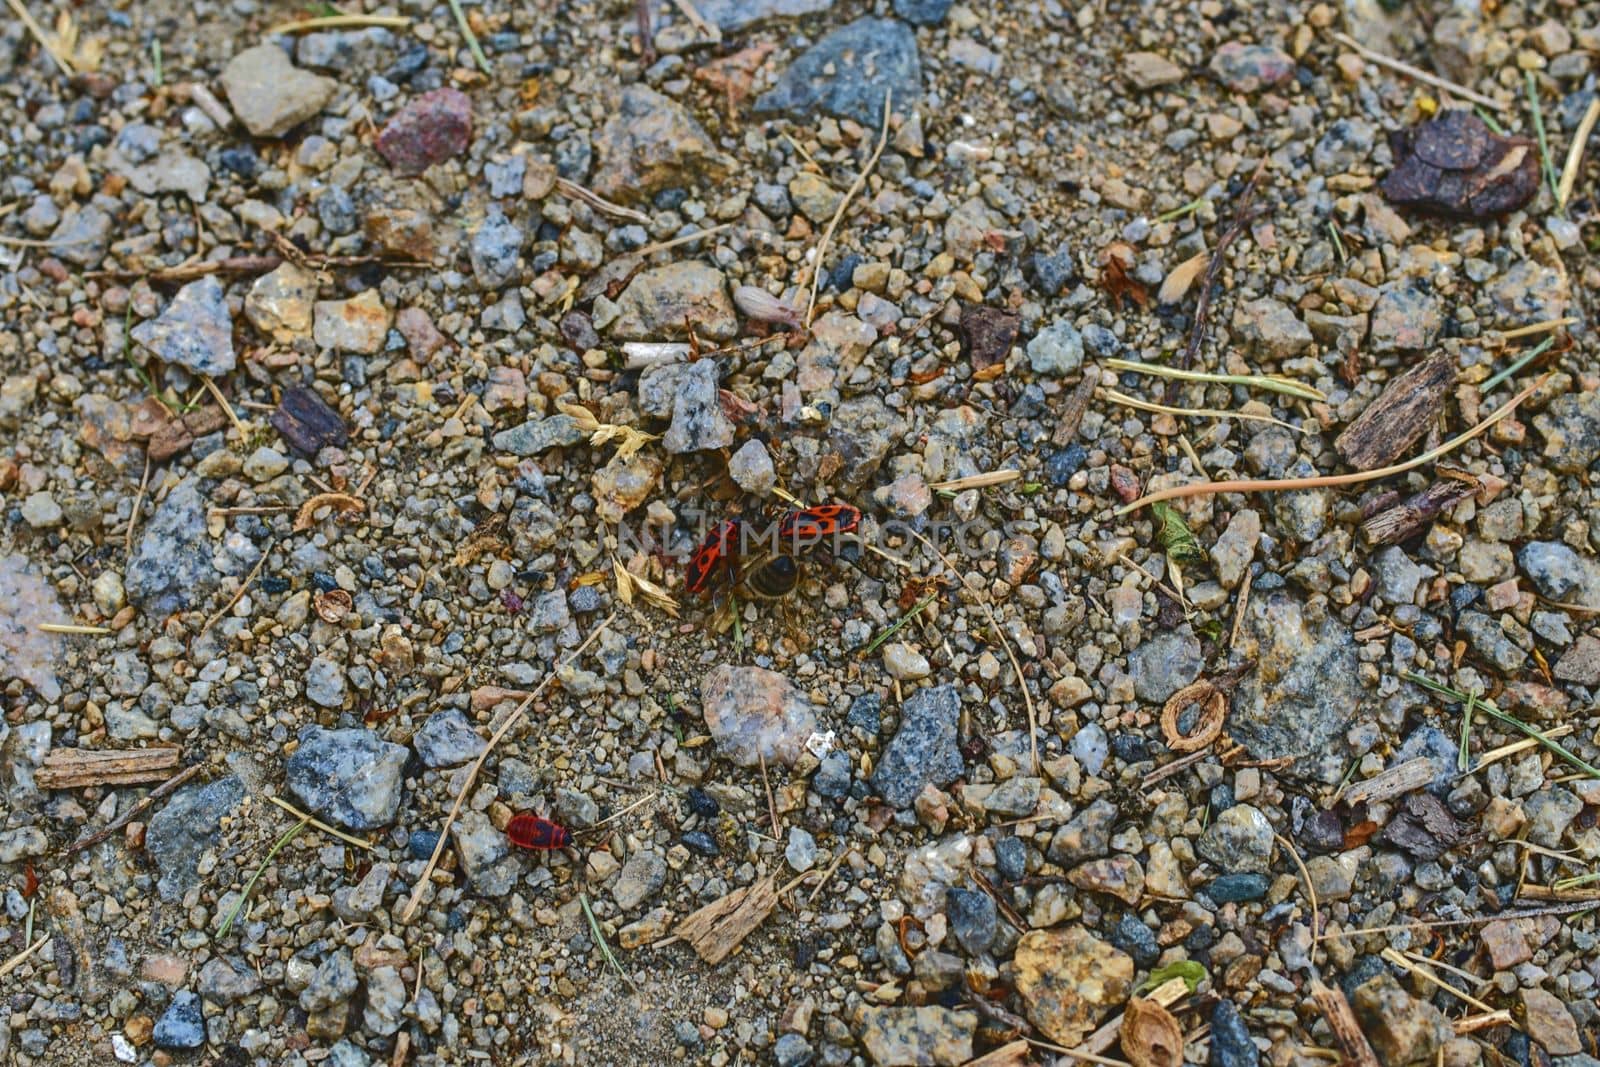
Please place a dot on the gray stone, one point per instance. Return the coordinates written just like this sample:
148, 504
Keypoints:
540, 435
1272, 329
659, 301
651, 143
756, 714
925, 1035
1056, 350
1561, 574
171, 172
181, 1026
640, 879
1086, 836
269, 94
1571, 430
924, 750
1305, 688
485, 854
1347, 142
1165, 664
1405, 319
447, 739
357, 903
801, 851
861, 433
325, 682
687, 393
180, 832
848, 73
1236, 547
1550, 811
1238, 839
386, 1000
496, 246
730, 15
195, 331
1397, 577
973, 919
226, 979
1491, 641
350, 776
333, 982
83, 236
1245, 68
751, 469
359, 324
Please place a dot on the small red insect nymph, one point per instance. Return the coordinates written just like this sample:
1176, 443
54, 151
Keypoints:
537, 832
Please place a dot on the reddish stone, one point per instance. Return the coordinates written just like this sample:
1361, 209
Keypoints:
429, 130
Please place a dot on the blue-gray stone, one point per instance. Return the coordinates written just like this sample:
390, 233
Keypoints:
180, 832
924, 750
1238, 888
447, 739
181, 1026
195, 331
923, 12
1137, 940
350, 776
974, 919
849, 72
171, 568
1230, 1039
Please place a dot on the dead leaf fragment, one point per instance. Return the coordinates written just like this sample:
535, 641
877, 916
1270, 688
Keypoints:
1178, 281
343, 503
1116, 263
1150, 1035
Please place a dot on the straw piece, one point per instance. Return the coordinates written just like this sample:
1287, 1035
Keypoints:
1418, 73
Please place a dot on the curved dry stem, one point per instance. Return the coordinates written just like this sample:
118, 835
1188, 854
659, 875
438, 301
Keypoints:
1325, 481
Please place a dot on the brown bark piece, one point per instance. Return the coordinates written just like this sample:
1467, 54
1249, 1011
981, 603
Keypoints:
1401, 414
72, 768
1409, 517
1013, 1055
1075, 407
1330, 1000
718, 928
1396, 781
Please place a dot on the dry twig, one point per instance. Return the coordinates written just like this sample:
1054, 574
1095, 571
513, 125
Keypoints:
1418, 73
1328, 481
844, 204
483, 757
166, 788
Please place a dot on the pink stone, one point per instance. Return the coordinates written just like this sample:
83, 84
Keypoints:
428, 130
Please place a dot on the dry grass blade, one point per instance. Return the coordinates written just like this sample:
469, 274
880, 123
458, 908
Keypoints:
1427, 975
238, 595
20, 958
601, 204
653, 594
1305, 877
976, 481
1272, 383
40, 36
1418, 73
1191, 413
249, 886
341, 22
844, 204
1540, 327
631, 439
472, 39
1181, 278
73, 628
483, 757
1279, 485
320, 825
1569, 171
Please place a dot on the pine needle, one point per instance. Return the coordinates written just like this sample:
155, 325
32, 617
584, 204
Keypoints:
899, 624
1548, 167
1512, 721
1517, 364
600, 940
844, 203
341, 22
249, 887
472, 38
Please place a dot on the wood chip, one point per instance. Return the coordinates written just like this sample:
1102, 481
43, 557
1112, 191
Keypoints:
73, 768
1182, 277
1150, 1035
1396, 781
1013, 1055
718, 928
1166, 995
1407, 519
307, 423
1330, 1000
1400, 416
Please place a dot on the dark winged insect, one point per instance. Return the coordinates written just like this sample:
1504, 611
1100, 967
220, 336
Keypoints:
537, 832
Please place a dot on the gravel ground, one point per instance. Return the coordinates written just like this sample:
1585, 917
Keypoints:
365, 388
